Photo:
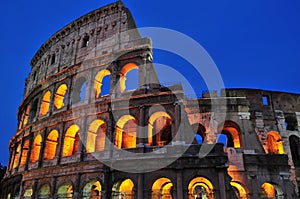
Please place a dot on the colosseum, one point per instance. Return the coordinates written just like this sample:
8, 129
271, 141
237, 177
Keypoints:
84, 133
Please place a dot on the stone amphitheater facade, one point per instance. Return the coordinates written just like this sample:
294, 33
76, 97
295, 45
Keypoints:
76, 139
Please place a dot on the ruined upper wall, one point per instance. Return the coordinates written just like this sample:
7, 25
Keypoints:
92, 34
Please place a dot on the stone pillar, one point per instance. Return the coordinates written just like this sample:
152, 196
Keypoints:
142, 137
179, 187
35, 191
177, 120
222, 185
141, 186
29, 149
82, 140
53, 188
76, 191
44, 142
60, 146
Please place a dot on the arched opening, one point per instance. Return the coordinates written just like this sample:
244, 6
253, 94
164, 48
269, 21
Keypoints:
25, 150
51, 144
71, 141
291, 123
232, 132
44, 109
36, 149
224, 139
60, 96
65, 191
162, 188
25, 121
102, 83
239, 190
129, 77
295, 149
92, 190
79, 91
17, 156
271, 190
28, 193
123, 189
95, 140
274, 143
200, 133
126, 132
44, 192
200, 187
159, 129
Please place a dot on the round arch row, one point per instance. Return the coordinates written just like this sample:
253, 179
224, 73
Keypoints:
101, 86
230, 134
267, 190
161, 188
95, 139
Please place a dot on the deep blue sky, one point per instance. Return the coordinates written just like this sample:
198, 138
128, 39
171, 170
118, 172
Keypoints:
254, 43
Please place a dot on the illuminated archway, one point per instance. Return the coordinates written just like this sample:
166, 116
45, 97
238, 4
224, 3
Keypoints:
159, 129
44, 108
95, 140
92, 190
200, 187
51, 145
17, 156
71, 141
126, 132
125, 70
271, 190
65, 191
25, 121
25, 150
240, 191
98, 83
60, 96
232, 132
200, 133
274, 143
28, 192
44, 192
123, 189
36, 149
162, 188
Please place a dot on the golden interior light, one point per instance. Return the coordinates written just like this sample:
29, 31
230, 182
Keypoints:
126, 132
98, 81
71, 141
162, 186
126, 187
60, 95
241, 190
92, 189
235, 136
274, 143
17, 156
25, 121
36, 148
51, 145
45, 103
65, 190
268, 190
159, 127
202, 182
95, 140
24, 153
28, 192
128, 67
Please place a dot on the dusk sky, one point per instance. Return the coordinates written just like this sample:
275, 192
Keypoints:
254, 43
